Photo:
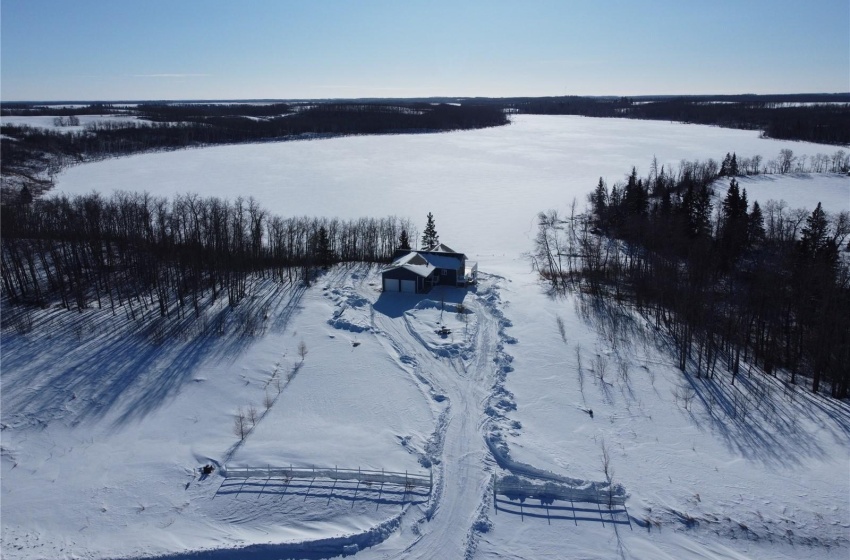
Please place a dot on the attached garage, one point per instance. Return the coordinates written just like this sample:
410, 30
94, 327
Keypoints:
411, 274
391, 285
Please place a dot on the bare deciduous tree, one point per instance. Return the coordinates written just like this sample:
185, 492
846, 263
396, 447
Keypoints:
240, 424
600, 367
608, 470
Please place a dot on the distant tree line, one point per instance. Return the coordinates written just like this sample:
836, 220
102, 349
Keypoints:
24, 109
821, 118
31, 156
135, 250
740, 283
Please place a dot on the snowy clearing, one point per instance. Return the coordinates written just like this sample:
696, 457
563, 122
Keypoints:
104, 427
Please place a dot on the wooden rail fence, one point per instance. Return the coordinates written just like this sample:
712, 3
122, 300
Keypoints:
406, 479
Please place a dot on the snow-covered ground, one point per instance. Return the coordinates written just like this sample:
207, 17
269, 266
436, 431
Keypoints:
104, 428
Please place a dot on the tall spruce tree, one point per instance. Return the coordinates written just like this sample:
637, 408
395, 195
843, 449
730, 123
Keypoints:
755, 226
404, 240
599, 199
430, 238
324, 253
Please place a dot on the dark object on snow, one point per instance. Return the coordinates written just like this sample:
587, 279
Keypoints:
207, 469
590, 411
25, 195
443, 331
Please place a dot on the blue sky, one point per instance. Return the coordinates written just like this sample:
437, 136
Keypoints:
251, 49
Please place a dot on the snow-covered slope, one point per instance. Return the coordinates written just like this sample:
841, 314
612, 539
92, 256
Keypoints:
104, 427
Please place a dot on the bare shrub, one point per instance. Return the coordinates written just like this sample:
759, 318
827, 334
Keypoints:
608, 471
268, 400
240, 424
253, 416
684, 395
302, 350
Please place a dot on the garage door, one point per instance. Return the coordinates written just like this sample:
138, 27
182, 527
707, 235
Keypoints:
390, 285
408, 286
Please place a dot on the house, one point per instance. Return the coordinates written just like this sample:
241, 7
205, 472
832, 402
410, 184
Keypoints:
416, 272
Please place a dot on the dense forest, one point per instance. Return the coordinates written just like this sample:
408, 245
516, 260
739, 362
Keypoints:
134, 251
736, 284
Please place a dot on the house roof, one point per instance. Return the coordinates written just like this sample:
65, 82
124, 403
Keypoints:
440, 248
413, 262
443, 261
424, 262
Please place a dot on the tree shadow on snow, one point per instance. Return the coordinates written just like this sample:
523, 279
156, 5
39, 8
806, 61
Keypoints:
760, 417
85, 365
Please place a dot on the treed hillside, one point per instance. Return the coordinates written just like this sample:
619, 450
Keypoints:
739, 284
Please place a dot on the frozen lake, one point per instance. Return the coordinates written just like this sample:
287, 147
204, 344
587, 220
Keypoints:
485, 187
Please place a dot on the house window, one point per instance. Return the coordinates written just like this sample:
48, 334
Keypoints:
444, 272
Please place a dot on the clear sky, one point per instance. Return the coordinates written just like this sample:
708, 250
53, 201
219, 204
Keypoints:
252, 49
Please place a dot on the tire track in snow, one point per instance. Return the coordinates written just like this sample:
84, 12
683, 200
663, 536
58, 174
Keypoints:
462, 463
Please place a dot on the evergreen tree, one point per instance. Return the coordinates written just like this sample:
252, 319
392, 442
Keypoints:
734, 224
696, 209
26, 195
324, 253
430, 238
725, 167
814, 239
755, 226
634, 197
599, 199
733, 165
404, 241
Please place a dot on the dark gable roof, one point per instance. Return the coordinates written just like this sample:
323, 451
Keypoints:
448, 261
424, 262
440, 248
414, 262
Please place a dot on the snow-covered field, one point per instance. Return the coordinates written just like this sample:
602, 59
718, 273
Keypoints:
104, 429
